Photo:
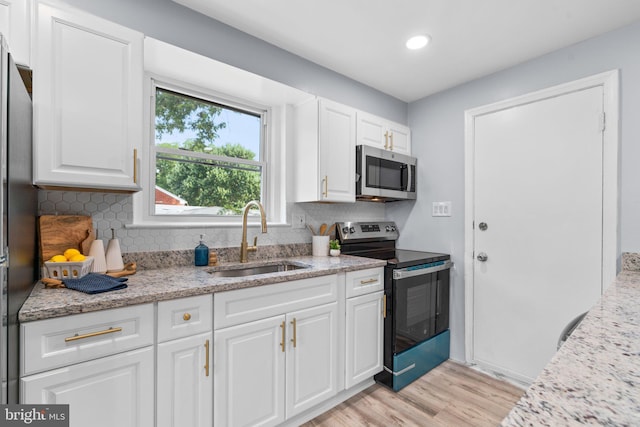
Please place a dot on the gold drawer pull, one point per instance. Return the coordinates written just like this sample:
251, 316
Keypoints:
386, 140
135, 165
391, 138
325, 193
384, 306
186, 317
294, 340
282, 326
366, 282
206, 363
92, 334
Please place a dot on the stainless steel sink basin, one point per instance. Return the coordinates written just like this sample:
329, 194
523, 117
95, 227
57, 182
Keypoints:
252, 270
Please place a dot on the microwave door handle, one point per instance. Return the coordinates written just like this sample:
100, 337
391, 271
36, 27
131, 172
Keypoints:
408, 185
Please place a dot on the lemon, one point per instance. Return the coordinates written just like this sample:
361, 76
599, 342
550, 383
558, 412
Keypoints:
77, 258
59, 258
70, 253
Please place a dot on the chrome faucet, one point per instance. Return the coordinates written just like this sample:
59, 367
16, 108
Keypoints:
244, 246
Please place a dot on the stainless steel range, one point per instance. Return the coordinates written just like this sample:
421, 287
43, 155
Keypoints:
416, 324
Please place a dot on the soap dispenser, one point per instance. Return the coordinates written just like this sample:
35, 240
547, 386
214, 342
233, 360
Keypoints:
201, 253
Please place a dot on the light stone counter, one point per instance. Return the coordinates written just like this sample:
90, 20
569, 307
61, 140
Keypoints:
177, 282
594, 378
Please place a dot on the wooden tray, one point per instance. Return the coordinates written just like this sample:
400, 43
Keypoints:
60, 232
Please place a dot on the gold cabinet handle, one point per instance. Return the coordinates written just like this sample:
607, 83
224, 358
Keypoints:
186, 317
325, 193
135, 165
92, 334
386, 140
384, 306
206, 355
294, 340
391, 139
282, 326
366, 282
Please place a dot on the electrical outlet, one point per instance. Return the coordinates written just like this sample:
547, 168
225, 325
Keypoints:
298, 221
441, 209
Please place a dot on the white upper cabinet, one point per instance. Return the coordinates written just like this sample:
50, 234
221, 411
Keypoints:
87, 98
323, 150
378, 132
15, 26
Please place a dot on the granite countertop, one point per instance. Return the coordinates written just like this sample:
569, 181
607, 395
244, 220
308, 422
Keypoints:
595, 376
176, 282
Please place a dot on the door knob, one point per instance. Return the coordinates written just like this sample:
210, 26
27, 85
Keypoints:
482, 226
482, 257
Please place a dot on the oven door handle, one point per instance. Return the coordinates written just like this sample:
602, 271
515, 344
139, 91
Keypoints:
404, 273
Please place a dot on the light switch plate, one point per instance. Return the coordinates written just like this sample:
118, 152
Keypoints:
441, 209
298, 221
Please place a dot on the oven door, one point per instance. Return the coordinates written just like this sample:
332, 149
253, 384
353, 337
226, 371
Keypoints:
384, 174
420, 303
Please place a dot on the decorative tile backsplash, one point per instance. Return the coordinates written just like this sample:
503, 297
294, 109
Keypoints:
111, 210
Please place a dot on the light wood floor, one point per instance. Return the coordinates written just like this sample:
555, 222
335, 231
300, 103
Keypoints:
449, 395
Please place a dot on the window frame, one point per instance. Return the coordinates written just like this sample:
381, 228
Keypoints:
272, 196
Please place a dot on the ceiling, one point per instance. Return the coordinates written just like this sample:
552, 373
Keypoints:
364, 39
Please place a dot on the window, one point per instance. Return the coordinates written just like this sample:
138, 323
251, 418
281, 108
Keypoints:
209, 155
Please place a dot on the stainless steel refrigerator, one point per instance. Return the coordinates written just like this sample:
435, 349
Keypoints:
19, 201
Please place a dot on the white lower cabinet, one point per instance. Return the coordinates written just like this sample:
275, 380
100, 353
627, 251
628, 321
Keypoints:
311, 364
184, 383
271, 369
365, 311
112, 391
249, 374
364, 337
185, 387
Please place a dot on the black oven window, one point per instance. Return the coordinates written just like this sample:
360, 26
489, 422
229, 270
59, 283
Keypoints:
386, 174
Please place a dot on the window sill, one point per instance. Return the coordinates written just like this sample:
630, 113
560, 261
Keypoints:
202, 224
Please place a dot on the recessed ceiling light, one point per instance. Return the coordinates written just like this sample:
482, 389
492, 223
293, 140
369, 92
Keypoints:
418, 42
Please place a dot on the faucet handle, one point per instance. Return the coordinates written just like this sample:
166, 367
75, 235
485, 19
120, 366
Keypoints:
255, 241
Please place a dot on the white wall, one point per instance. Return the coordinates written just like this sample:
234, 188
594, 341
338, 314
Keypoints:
437, 124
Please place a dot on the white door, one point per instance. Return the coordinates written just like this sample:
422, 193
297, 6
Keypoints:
538, 187
337, 140
111, 391
364, 338
312, 373
249, 373
185, 386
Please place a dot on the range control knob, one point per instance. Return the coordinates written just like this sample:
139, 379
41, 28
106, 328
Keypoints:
387, 228
352, 230
393, 228
345, 230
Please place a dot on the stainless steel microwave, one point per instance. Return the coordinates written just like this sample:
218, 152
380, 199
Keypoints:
383, 175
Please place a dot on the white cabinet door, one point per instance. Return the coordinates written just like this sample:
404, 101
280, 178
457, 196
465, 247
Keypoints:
185, 386
371, 131
111, 391
399, 138
337, 152
249, 373
312, 357
87, 100
381, 133
364, 337
15, 25
323, 152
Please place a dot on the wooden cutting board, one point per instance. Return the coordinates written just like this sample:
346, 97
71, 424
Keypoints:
60, 232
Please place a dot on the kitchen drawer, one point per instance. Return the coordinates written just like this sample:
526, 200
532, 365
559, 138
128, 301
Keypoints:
63, 341
363, 282
246, 305
184, 317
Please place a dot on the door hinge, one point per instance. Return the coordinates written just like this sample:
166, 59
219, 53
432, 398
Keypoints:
602, 121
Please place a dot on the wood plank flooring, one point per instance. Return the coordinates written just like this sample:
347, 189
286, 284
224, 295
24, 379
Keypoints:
449, 395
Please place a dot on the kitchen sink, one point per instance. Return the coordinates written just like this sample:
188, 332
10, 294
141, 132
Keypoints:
252, 270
